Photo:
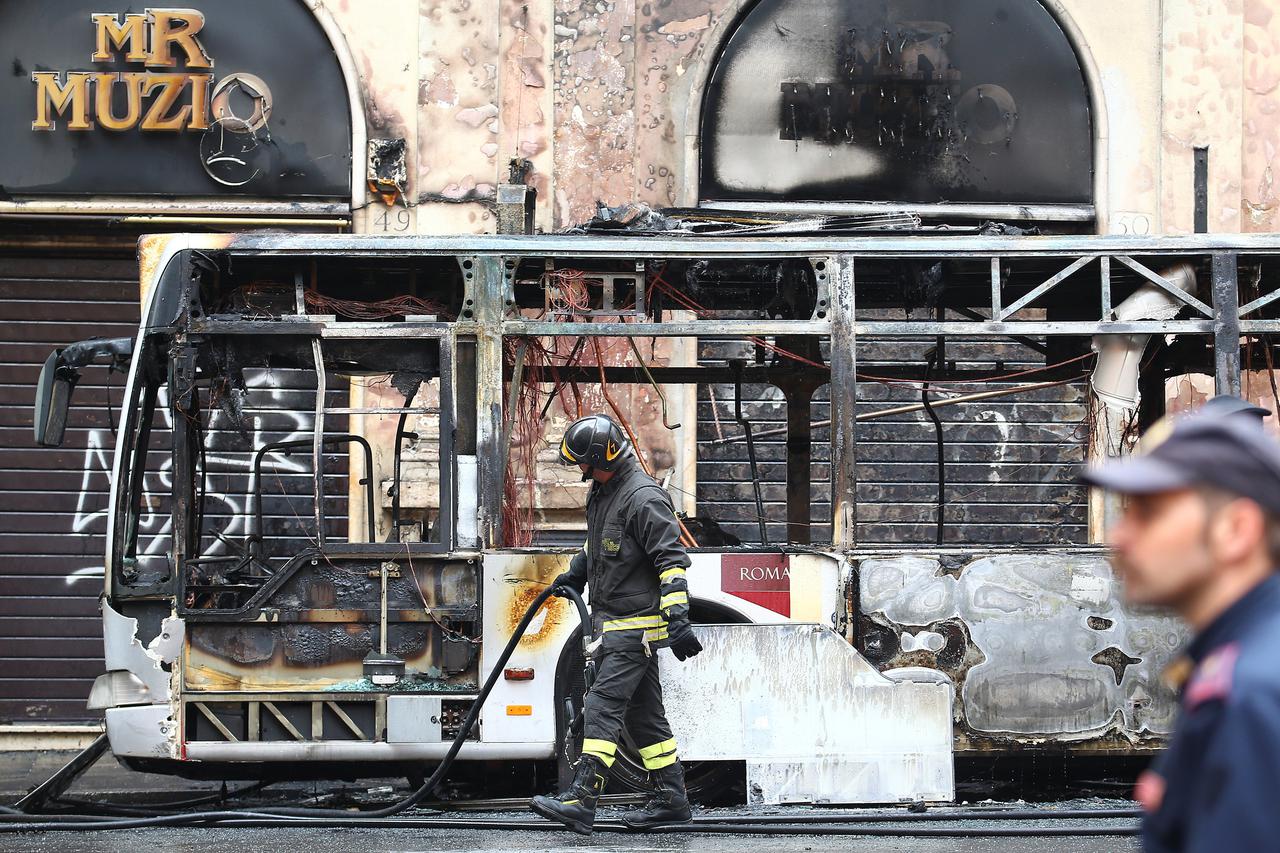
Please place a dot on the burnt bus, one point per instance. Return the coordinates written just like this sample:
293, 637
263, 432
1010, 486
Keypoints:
333, 500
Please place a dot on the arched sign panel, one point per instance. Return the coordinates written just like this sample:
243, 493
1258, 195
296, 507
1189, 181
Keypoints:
923, 101
238, 98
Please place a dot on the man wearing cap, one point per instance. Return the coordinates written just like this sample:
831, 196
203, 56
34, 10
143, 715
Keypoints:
634, 564
1200, 534
1226, 405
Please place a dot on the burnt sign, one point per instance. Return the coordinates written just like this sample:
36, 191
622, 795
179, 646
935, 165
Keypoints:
922, 101
240, 98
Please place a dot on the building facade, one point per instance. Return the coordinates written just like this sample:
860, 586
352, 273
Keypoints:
404, 117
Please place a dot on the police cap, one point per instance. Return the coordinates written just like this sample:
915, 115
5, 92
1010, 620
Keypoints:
1226, 404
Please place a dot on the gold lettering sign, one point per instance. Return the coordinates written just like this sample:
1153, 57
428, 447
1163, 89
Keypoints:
150, 100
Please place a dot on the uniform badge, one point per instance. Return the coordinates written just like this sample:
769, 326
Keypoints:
1212, 678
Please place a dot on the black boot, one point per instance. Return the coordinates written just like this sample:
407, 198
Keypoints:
576, 807
669, 803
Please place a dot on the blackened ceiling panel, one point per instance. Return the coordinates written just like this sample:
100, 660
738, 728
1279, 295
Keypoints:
921, 101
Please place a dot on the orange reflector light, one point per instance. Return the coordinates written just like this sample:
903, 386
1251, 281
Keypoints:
519, 710
518, 673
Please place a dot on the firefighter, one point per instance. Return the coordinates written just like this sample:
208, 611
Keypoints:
634, 564
1200, 534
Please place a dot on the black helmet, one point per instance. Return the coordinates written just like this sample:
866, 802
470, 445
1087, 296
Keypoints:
595, 440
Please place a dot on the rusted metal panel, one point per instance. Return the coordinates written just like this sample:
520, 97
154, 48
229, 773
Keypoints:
595, 120
528, 105
457, 115
313, 629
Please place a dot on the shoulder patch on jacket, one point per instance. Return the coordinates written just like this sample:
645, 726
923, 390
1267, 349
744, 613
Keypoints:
1212, 678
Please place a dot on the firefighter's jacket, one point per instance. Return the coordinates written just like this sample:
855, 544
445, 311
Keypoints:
633, 562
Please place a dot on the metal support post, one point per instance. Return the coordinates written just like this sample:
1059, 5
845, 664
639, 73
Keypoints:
737, 365
59, 782
489, 286
799, 399
185, 398
1226, 325
317, 446
844, 391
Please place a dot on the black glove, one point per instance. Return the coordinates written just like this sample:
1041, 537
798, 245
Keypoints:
566, 579
683, 643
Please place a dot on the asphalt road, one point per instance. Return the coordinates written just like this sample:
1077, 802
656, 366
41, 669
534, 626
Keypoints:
494, 841
533, 839
109, 782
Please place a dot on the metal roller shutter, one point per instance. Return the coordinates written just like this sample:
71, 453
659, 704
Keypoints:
53, 500
1010, 462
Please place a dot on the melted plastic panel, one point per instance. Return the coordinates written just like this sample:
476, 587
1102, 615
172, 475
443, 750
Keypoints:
1039, 644
898, 100
312, 629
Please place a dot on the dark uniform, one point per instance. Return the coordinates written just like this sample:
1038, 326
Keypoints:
1216, 787
634, 567
633, 564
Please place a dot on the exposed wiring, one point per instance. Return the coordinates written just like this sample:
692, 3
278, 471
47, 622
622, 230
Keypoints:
685, 536
940, 446
656, 387
693, 306
565, 292
574, 355
427, 609
375, 309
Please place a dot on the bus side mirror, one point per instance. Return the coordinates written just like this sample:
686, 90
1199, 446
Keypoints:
53, 399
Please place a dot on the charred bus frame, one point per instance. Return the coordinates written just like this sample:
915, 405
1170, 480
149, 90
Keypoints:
469, 360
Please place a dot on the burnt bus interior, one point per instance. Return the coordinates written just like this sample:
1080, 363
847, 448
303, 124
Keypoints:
235, 397
273, 555
298, 563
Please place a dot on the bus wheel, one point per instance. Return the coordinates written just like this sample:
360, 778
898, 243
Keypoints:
708, 782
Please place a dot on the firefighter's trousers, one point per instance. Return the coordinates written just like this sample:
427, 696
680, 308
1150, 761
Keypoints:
627, 693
